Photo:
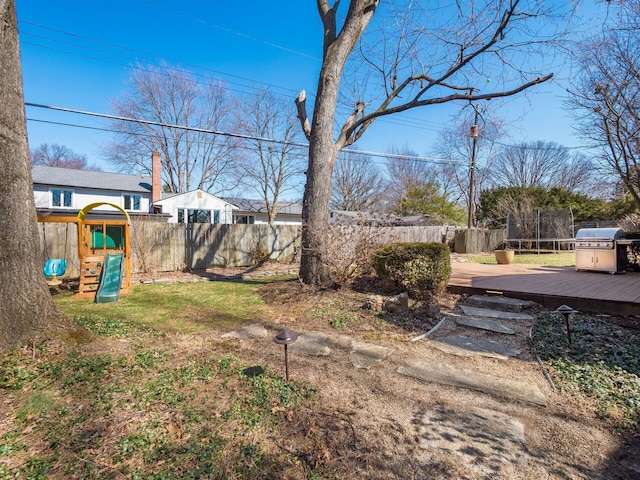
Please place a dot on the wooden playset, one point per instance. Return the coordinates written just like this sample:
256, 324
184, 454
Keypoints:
104, 249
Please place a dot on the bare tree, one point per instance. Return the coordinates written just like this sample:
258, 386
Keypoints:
606, 98
27, 309
438, 53
170, 97
579, 174
455, 144
541, 164
405, 173
270, 168
55, 155
357, 183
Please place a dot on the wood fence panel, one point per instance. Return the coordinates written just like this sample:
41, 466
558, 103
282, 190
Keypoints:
158, 247
413, 234
60, 240
478, 240
284, 243
239, 245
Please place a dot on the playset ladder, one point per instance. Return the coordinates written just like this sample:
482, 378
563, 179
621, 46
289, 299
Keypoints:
90, 271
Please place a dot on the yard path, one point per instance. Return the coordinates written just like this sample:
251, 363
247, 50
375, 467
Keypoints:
485, 440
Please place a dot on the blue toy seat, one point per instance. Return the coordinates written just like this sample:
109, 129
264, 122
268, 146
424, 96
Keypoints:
55, 267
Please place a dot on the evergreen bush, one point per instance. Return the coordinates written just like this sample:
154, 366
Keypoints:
423, 269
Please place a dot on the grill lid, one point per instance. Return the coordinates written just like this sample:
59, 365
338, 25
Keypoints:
613, 233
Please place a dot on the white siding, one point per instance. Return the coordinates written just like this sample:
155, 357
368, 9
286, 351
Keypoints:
281, 218
83, 196
196, 200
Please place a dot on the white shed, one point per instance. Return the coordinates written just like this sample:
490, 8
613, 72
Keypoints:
196, 206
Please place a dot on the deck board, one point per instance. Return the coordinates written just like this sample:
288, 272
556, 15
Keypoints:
564, 282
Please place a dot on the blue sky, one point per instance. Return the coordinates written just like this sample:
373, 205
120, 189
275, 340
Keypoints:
78, 55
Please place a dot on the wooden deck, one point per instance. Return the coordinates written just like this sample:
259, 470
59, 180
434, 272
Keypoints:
552, 286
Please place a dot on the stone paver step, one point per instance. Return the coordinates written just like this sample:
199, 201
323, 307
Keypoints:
497, 439
488, 313
500, 302
444, 374
311, 343
470, 346
248, 332
367, 355
483, 324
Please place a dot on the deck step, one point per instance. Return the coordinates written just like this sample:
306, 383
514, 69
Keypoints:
483, 324
500, 302
488, 313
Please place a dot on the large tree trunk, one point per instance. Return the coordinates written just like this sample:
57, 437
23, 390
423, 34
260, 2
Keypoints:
315, 208
322, 156
27, 310
323, 151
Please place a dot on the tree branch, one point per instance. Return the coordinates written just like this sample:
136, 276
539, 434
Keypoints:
328, 17
301, 105
366, 120
345, 133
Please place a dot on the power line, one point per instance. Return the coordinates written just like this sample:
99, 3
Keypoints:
225, 134
393, 121
163, 124
532, 146
111, 130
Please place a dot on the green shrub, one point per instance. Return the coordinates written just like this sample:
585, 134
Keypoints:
423, 269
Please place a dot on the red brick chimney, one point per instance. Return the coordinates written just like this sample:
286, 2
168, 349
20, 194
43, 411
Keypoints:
156, 188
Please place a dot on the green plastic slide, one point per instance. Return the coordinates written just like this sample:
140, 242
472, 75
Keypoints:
110, 279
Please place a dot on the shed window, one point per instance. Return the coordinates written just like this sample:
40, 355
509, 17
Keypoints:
244, 219
198, 216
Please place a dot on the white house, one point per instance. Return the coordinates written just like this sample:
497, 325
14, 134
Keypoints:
64, 192
196, 206
255, 212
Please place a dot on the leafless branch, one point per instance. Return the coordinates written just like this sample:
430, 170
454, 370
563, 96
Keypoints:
301, 105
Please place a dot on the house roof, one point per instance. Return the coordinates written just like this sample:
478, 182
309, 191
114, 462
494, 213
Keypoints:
68, 177
259, 206
167, 196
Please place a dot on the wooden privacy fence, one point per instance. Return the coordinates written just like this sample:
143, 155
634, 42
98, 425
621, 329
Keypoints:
60, 240
158, 247
415, 234
233, 245
478, 240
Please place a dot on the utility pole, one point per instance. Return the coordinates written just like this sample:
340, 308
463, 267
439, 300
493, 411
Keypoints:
472, 166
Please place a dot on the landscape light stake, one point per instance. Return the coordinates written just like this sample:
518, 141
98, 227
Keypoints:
566, 310
285, 337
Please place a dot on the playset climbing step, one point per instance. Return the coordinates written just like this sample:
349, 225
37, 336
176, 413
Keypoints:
90, 271
101, 278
